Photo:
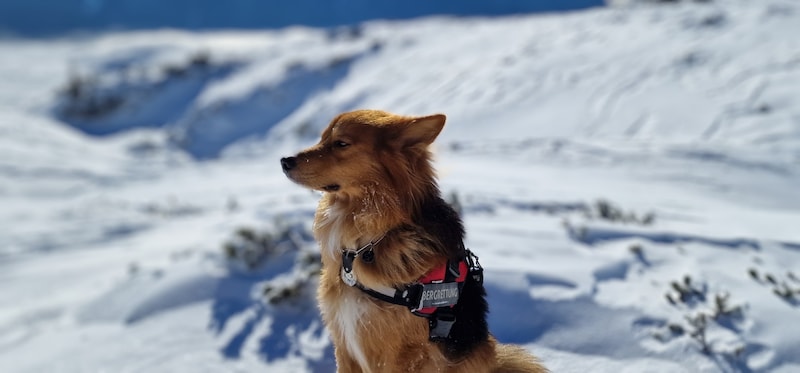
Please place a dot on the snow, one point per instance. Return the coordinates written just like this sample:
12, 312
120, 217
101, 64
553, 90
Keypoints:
113, 227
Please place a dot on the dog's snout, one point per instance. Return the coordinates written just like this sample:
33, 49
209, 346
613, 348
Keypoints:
288, 163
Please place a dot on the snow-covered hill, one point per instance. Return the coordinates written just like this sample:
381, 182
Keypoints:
628, 176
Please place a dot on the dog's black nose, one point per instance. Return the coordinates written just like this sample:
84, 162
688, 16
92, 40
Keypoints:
288, 163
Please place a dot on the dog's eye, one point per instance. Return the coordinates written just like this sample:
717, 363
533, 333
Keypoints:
340, 144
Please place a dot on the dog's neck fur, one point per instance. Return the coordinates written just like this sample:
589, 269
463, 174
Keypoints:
350, 219
373, 210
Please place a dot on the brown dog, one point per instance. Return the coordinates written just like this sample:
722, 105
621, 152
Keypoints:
398, 291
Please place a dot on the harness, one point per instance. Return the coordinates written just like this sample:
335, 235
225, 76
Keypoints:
433, 296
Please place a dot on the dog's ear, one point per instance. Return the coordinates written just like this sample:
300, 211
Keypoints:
422, 130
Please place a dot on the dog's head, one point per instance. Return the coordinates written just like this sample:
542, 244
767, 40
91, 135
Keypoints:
364, 149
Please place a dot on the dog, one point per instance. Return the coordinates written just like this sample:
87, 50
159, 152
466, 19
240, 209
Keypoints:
398, 290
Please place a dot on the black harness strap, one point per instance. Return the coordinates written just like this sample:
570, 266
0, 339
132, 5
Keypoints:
407, 297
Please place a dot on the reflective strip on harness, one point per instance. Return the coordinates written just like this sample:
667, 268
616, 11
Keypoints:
439, 295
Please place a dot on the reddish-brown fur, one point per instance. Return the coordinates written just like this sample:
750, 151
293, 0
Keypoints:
375, 170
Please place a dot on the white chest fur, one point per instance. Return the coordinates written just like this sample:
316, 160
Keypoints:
332, 219
348, 312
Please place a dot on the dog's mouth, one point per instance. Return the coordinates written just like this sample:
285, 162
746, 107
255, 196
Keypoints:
331, 187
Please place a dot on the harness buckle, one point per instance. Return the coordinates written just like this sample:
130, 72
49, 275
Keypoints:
474, 267
412, 296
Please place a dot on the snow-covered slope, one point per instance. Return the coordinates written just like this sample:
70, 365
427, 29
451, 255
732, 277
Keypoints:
628, 176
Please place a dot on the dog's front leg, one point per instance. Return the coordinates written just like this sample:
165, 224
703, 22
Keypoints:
345, 363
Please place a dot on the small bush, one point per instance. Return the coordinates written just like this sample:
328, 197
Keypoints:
605, 210
85, 98
252, 249
296, 286
687, 291
783, 288
686, 294
699, 325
